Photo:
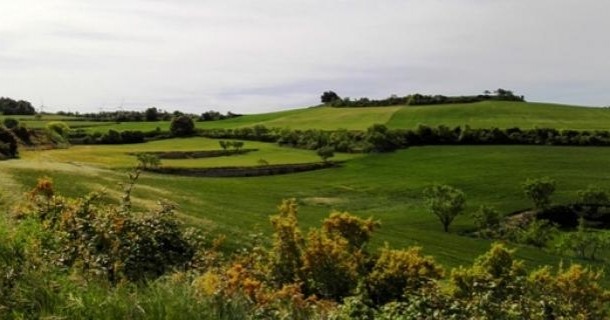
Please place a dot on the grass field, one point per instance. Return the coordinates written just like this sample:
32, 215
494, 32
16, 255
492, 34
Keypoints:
485, 114
387, 187
501, 114
118, 156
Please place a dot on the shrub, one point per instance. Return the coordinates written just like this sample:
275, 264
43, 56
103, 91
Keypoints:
329, 268
583, 243
111, 242
487, 218
10, 123
288, 244
539, 191
355, 230
326, 153
8, 144
397, 272
537, 233
593, 195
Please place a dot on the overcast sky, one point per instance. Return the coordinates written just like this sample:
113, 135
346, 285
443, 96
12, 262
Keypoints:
253, 56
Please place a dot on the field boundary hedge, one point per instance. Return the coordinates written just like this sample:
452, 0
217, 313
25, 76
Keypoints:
266, 170
195, 154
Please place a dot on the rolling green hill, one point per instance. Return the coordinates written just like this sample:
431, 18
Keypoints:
485, 114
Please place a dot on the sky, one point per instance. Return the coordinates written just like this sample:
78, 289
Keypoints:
251, 56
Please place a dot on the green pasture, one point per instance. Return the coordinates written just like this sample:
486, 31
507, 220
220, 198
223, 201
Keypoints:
504, 114
485, 114
324, 118
120, 156
387, 187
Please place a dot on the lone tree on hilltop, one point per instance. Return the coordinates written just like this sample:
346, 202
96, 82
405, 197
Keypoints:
182, 126
445, 202
329, 97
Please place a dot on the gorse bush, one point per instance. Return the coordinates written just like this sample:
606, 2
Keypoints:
112, 242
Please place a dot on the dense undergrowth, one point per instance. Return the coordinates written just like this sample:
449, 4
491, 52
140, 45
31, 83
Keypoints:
85, 259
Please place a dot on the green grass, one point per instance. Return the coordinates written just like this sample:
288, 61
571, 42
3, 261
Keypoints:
485, 114
324, 118
387, 187
118, 156
504, 115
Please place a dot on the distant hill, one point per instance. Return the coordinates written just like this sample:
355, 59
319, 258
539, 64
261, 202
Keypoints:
486, 114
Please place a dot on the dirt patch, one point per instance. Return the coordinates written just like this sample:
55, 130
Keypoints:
323, 201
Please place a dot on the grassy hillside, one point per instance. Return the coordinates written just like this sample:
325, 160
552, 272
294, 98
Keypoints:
118, 156
503, 114
385, 186
485, 114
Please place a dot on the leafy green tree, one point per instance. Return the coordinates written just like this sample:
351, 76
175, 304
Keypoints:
148, 160
182, 126
224, 144
539, 191
326, 153
329, 97
380, 139
151, 114
445, 202
237, 145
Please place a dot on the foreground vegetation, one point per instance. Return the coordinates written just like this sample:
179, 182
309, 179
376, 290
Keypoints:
84, 259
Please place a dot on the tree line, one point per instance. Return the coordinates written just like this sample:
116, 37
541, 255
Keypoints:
332, 99
150, 115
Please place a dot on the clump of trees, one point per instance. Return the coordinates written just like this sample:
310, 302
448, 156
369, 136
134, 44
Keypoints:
182, 126
9, 106
332, 99
226, 144
150, 114
215, 116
